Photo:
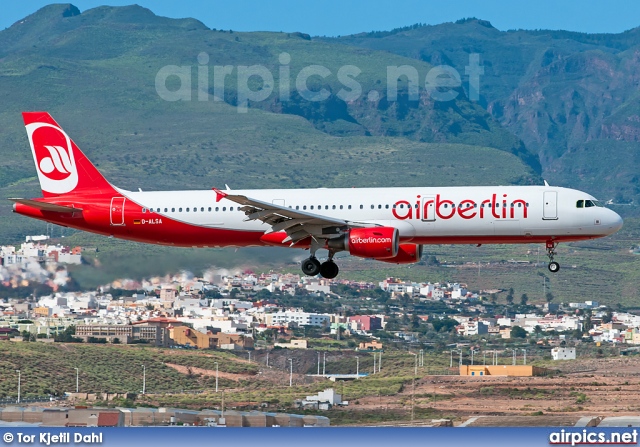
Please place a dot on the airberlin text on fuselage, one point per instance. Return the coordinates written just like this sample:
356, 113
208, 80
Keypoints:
429, 207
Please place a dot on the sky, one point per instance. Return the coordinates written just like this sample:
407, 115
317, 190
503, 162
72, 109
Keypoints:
342, 17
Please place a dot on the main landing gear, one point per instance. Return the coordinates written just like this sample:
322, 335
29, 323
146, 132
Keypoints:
551, 252
328, 269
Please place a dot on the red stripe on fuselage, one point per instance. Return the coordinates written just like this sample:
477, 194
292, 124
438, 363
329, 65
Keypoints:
96, 219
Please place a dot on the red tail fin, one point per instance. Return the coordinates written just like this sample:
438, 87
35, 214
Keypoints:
61, 165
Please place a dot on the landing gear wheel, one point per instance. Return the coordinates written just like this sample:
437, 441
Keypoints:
329, 270
551, 252
311, 266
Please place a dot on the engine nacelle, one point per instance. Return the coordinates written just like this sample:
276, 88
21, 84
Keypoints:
407, 254
376, 242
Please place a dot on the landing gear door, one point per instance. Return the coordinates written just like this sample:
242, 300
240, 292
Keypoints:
117, 211
279, 202
550, 205
428, 209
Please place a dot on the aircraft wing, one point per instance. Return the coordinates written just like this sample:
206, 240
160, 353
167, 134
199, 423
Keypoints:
298, 224
45, 206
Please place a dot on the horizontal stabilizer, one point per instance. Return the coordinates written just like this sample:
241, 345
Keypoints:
44, 206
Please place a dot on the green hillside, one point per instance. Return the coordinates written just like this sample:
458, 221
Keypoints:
571, 97
96, 73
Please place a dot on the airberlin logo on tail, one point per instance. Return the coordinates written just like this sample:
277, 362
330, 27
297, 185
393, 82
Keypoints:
53, 154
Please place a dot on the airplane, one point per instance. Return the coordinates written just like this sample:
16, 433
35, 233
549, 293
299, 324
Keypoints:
386, 224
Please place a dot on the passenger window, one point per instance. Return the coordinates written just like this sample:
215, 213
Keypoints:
224, 208
217, 209
445, 205
498, 205
297, 207
187, 210
144, 210
202, 209
349, 207
173, 210
402, 206
580, 204
166, 209
304, 207
340, 206
333, 207
195, 210
230, 208
361, 206
157, 210
386, 206
311, 206
379, 207
209, 209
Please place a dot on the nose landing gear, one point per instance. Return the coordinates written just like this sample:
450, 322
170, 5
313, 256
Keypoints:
551, 252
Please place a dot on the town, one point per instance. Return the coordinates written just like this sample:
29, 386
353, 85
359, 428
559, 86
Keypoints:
234, 311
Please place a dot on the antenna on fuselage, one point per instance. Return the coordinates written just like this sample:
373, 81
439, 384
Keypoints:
545, 183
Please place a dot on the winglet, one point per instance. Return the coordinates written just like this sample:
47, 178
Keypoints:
219, 194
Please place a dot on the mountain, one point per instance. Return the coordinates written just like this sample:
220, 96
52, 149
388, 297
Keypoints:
110, 77
572, 98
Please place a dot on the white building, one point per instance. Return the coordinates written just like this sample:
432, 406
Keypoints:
563, 353
301, 318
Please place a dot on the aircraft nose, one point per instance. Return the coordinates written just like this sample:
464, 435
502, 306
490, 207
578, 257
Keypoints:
613, 222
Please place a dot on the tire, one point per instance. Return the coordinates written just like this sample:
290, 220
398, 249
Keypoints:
311, 267
554, 267
329, 270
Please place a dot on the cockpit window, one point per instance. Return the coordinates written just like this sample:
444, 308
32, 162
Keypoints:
580, 204
588, 204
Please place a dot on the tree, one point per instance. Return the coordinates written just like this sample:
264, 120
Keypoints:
524, 299
549, 297
510, 299
444, 325
494, 298
518, 332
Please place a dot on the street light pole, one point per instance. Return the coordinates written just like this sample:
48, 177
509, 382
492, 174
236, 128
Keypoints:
380, 361
451, 359
77, 378
318, 363
217, 375
290, 372
525, 356
357, 367
324, 363
18, 371
144, 379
